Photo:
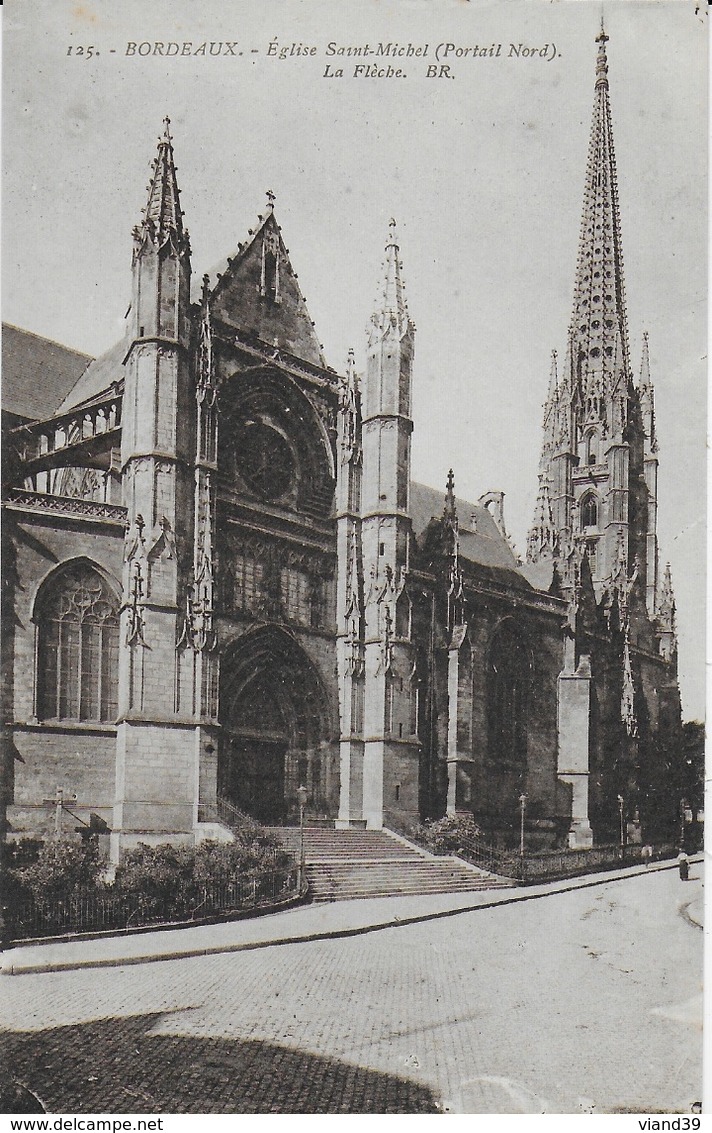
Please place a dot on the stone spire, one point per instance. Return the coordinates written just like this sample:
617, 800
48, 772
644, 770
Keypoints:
162, 217
599, 307
552, 397
391, 305
646, 393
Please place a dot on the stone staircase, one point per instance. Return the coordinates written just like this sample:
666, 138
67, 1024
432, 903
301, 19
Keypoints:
346, 864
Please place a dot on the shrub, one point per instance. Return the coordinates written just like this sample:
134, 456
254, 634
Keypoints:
446, 835
155, 871
166, 873
63, 864
20, 852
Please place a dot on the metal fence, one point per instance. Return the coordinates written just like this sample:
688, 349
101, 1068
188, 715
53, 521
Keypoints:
554, 863
112, 909
225, 812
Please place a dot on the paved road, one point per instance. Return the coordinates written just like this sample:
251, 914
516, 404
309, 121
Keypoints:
579, 1000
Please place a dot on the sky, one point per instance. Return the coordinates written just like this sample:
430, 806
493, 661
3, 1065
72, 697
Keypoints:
483, 168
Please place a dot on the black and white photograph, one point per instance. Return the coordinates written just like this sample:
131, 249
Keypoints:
354, 396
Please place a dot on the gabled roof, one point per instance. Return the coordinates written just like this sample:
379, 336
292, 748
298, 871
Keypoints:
238, 297
481, 542
37, 373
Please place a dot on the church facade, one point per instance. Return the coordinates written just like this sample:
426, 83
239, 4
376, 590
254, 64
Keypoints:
221, 583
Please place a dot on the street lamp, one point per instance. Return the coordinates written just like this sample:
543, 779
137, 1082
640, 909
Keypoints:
302, 794
621, 812
522, 808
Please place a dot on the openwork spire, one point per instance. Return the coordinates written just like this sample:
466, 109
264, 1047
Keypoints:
162, 217
599, 307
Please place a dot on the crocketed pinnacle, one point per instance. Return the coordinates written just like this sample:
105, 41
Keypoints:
666, 604
162, 216
646, 395
644, 381
391, 305
599, 307
541, 542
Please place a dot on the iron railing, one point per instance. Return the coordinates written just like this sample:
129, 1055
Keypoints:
114, 909
225, 812
553, 863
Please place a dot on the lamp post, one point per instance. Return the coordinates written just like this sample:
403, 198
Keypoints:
522, 809
621, 812
302, 798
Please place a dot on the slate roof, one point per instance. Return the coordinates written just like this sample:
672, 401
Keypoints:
485, 545
99, 376
37, 373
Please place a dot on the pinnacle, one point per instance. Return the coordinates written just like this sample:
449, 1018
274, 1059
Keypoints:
645, 363
450, 510
391, 304
162, 215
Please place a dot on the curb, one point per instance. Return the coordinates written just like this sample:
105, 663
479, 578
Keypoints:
15, 969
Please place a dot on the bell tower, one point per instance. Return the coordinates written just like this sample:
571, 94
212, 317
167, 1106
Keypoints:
598, 468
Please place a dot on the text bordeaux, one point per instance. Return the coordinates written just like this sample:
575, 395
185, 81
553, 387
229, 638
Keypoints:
157, 47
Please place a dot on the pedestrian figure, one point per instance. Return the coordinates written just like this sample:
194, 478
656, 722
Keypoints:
646, 854
683, 865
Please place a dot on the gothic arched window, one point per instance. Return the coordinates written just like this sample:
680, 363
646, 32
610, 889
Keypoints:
78, 647
508, 674
589, 510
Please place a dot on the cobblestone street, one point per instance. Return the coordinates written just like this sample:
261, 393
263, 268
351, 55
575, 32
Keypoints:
578, 1000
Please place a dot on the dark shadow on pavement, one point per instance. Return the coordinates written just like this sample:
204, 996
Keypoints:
117, 1066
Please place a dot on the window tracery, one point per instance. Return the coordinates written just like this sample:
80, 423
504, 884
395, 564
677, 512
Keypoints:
78, 648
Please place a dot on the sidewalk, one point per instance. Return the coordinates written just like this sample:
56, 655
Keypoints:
305, 923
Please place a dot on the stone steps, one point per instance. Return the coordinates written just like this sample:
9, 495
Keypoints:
348, 864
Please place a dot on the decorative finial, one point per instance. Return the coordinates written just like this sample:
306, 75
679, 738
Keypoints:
450, 494
602, 61
270, 200
206, 288
167, 129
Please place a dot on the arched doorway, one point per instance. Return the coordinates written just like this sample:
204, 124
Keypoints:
275, 728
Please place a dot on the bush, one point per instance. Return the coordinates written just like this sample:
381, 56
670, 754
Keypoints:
446, 835
169, 873
19, 852
63, 864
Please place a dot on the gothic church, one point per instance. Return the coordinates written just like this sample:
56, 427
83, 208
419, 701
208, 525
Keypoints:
221, 583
